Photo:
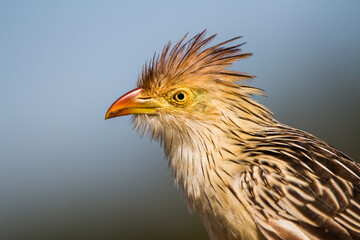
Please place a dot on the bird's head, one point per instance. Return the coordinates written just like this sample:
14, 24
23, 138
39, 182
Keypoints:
186, 84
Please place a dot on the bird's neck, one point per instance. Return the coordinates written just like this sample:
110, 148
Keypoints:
204, 157
198, 153
197, 149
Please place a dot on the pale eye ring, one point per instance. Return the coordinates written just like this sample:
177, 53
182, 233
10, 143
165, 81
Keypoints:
180, 96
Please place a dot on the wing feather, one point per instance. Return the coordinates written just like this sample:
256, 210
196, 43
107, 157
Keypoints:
306, 189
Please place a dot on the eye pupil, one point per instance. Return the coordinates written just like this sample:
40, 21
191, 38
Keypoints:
180, 96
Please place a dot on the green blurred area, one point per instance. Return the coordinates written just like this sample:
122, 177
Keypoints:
68, 174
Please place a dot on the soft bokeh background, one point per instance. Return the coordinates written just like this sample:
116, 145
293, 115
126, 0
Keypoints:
68, 174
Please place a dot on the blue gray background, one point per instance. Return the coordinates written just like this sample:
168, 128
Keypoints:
65, 173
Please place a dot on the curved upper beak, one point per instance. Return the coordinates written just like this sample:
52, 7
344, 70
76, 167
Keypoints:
132, 103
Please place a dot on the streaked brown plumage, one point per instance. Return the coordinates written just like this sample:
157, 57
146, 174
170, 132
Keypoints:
246, 175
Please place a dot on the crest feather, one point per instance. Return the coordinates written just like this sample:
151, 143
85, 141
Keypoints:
191, 59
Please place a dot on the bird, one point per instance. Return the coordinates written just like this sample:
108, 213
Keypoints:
245, 174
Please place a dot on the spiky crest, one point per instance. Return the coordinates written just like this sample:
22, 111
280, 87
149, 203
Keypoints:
191, 59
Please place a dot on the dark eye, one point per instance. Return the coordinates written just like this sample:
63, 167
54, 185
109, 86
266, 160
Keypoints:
181, 96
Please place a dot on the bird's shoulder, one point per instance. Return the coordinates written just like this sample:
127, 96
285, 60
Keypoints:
299, 187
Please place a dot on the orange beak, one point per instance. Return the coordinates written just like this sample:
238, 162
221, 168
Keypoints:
132, 103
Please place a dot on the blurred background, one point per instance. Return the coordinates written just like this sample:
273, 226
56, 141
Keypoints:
68, 174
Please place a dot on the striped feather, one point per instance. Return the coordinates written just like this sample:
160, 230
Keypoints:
317, 184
